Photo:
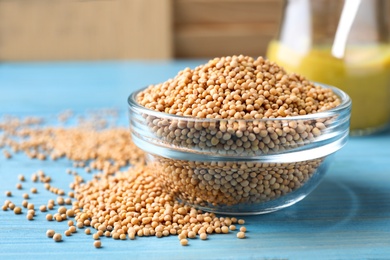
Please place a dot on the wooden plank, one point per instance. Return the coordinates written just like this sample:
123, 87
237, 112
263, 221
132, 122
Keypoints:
85, 30
222, 40
226, 11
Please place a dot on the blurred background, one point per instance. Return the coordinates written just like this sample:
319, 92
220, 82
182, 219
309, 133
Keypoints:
46, 30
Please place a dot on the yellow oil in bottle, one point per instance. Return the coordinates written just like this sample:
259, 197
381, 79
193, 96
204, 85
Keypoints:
364, 73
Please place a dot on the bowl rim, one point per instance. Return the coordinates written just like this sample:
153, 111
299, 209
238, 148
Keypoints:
346, 102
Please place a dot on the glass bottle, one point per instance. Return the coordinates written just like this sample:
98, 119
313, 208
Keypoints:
341, 43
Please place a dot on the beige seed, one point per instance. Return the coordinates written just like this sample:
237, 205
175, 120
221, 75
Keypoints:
57, 237
49, 217
18, 210
70, 223
8, 193
97, 244
4, 207
67, 233
72, 229
43, 208
96, 236
241, 221
11, 206
26, 196
87, 231
30, 216
30, 206
232, 227
25, 203
19, 186
225, 229
50, 233
21, 177
203, 236
241, 235
243, 229
61, 210
34, 190
184, 242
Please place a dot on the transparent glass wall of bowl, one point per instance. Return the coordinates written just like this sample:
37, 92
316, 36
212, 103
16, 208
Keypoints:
341, 43
259, 167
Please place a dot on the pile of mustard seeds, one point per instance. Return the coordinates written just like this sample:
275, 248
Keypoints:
238, 107
115, 203
233, 96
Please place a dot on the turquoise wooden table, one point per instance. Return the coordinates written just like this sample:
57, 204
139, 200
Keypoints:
346, 217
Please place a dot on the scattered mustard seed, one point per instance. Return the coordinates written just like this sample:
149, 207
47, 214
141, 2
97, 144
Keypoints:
243, 229
97, 244
50, 233
184, 242
203, 236
43, 208
18, 210
8, 193
241, 235
57, 237
19, 186
49, 217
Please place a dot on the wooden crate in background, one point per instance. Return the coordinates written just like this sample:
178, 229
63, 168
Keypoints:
208, 28
85, 29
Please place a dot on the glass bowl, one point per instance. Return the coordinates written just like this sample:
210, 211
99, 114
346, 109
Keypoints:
237, 166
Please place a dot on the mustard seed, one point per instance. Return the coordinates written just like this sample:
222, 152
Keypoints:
49, 217
21, 177
225, 229
50, 233
4, 207
30, 206
203, 236
70, 223
25, 203
72, 229
61, 210
70, 213
26, 196
97, 244
43, 208
184, 242
18, 210
241, 235
34, 190
30, 216
122, 237
34, 177
96, 236
191, 234
241, 221
243, 229
232, 227
11, 206
19, 186
87, 231
57, 237
50, 206
8, 193
67, 233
